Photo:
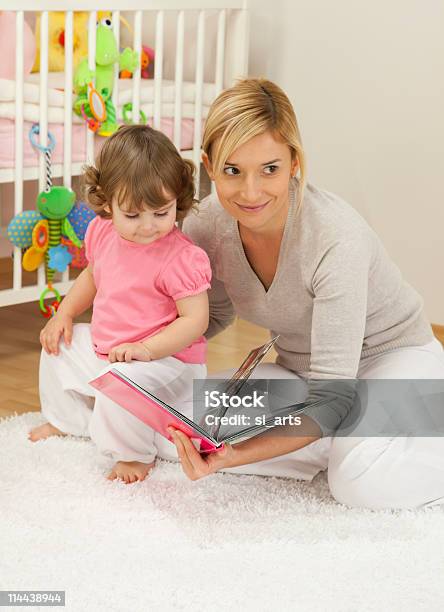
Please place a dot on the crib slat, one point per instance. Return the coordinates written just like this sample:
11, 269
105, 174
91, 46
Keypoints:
18, 175
180, 30
198, 98
92, 66
220, 52
19, 63
236, 46
67, 130
220, 62
43, 120
158, 70
116, 30
43, 128
137, 45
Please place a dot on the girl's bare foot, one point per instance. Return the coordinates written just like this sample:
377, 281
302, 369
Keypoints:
44, 431
130, 471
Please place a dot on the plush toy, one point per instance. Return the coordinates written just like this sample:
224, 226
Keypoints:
40, 231
31, 229
8, 46
146, 65
148, 70
56, 40
93, 102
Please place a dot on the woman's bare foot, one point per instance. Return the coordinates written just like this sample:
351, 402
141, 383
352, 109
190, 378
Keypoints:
44, 431
130, 471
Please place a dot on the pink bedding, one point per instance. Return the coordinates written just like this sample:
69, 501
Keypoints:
78, 142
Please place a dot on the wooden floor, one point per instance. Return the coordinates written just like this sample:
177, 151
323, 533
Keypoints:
20, 326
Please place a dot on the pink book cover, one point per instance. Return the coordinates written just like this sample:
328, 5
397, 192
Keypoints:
151, 410
159, 415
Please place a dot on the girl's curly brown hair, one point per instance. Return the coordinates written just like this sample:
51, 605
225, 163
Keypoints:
138, 167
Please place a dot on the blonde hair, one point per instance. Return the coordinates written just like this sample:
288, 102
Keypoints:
249, 108
136, 165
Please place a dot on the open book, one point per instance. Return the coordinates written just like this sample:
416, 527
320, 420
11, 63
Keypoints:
207, 436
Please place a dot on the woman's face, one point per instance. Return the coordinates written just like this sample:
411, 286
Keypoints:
253, 186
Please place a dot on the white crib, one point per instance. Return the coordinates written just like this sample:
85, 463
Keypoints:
183, 87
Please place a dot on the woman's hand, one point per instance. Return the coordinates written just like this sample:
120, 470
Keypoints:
50, 335
193, 463
128, 351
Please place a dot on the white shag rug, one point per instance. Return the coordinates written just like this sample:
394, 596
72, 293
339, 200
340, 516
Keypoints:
226, 542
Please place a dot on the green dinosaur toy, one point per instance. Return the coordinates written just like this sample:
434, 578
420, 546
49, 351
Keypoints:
107, 54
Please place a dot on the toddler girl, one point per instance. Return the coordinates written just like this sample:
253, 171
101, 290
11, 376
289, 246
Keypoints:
147, 283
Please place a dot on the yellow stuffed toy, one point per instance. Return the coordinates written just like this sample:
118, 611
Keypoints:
56, 40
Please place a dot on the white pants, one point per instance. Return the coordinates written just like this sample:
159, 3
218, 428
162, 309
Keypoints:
377, 472
371, 472
69, 403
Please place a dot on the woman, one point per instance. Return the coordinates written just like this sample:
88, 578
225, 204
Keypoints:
303, 263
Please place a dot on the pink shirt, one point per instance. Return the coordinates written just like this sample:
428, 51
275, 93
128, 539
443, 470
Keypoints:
137, 285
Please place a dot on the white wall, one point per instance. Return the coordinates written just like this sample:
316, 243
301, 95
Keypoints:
367, 83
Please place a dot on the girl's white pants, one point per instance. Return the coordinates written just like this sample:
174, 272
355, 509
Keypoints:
372, 472
72, 405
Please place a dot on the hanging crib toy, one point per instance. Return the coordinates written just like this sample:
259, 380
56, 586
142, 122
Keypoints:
95, 104
40, 232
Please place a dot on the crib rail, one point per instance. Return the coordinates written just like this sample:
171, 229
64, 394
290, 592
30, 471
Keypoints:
116, 5
230, 48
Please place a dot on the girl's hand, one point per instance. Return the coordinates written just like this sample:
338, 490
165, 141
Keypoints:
128, 351
50, 335
193, 463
